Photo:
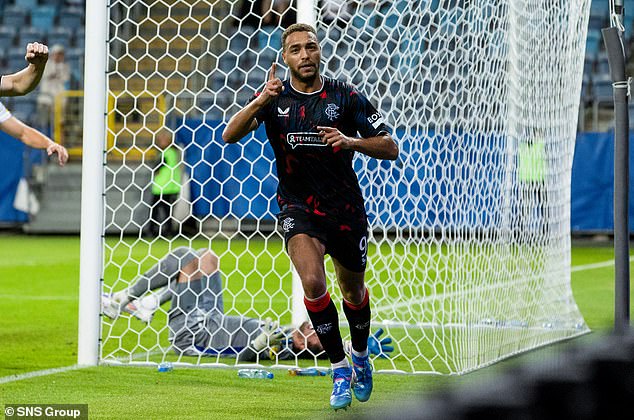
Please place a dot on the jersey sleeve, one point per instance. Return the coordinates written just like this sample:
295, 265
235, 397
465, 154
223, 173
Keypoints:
4, 113
367, 118
260, 116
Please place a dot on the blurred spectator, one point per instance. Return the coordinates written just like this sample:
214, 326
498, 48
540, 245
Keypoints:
531, 174
166, 186
54, 81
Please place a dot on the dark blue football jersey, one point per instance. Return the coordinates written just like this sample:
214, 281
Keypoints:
313, 175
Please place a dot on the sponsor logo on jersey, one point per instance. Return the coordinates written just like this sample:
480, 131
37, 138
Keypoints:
332, 111
283, 112
288, 224
304, 139
375, 119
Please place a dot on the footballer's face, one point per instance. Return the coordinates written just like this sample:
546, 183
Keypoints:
302, 55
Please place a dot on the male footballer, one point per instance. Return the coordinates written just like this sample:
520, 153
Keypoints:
315, 124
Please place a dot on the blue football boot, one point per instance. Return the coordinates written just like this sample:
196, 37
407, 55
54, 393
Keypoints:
361, 378
341, 396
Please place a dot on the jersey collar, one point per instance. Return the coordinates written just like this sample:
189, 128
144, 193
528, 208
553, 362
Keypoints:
321, 78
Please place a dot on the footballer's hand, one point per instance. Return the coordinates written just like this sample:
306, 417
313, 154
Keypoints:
36, 53
62, 153
270, 333
379, 347
273, 86
335, 138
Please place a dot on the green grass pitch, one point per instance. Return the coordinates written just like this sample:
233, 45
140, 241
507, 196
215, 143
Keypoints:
39, 282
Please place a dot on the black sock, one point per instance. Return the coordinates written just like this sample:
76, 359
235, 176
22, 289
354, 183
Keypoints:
358, 317
323, 314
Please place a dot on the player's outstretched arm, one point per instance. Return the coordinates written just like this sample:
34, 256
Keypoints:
379, 147
24, 81
31, 137
243, 122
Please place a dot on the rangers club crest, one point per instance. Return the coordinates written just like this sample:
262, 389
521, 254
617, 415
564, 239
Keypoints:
332, 112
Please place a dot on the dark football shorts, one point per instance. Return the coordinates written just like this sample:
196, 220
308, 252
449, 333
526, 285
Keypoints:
346, 242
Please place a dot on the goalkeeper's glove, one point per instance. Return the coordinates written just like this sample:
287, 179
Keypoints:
379, 347
376, 347
270, 332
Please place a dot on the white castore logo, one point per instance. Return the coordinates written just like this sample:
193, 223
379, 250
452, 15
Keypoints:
283, 112
331, 112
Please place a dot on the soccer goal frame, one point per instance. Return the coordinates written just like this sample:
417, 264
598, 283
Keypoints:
471, 227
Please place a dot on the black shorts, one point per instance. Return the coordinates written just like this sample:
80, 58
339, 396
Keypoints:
347, 242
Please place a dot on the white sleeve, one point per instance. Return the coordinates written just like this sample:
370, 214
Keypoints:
4, 113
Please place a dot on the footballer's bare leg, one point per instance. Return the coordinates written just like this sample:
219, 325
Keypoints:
307, 254
356, 306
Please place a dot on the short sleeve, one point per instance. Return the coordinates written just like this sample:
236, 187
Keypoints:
4, 113
260, 116
367, 118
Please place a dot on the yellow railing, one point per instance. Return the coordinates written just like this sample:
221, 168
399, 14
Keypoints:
133, 118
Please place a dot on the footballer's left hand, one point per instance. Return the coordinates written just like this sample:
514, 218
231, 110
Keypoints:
62, 153
379, 347
335, 138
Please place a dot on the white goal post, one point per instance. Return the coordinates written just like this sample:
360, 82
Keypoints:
469, 245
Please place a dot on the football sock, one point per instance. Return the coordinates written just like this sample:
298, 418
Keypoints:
358, 317
323, 315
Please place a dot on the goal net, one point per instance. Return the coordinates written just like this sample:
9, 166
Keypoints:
469, 249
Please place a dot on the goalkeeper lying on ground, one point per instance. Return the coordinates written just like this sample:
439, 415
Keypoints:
197, 322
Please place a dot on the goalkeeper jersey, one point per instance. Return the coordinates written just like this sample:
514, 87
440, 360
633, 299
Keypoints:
313, 175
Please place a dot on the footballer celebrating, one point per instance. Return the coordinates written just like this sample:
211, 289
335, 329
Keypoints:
315, 124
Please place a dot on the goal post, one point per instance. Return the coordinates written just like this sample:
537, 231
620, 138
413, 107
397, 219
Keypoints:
469, 242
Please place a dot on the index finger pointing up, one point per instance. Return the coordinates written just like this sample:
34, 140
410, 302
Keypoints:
272, 71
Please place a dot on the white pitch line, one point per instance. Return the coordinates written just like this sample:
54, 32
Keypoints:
35, 297
593, 266
35, 374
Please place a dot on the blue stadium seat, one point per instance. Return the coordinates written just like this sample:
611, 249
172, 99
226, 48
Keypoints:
602, 66
43, 17
79, 40
27, 4
589, 63
30, 34
602, 87
71, 17
60, 35
75, 59
15, 59
586, 89
14, 16
24, 108
593, 41
7, 37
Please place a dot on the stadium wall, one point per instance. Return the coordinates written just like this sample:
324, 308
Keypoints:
250, 191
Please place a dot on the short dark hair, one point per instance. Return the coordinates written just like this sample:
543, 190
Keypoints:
297, 27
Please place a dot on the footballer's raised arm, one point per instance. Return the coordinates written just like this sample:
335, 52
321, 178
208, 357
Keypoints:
244, 121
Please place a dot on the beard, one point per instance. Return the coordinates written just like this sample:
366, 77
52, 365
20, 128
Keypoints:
308, 79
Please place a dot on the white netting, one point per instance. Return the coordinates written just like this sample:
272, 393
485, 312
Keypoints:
469, 258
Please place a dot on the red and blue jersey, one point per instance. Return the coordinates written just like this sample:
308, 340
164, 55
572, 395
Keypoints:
313, 175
